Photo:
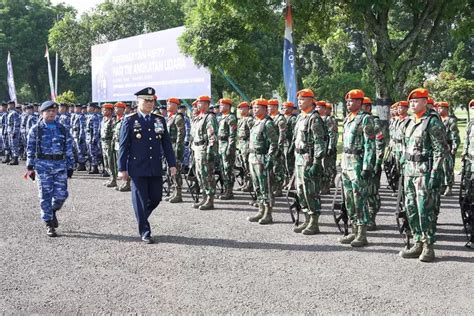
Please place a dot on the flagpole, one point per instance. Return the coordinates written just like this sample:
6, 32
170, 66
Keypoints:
56, 76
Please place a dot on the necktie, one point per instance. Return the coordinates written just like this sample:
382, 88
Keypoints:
147, 118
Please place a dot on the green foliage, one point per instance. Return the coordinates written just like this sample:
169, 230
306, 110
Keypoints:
67, 97
448, 87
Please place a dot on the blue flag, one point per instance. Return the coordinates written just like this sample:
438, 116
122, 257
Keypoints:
289, 66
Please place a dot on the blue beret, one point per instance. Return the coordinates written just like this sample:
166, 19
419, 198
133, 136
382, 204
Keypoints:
48, 105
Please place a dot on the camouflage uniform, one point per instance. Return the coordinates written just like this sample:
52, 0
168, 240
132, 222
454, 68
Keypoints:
329, 163
468, 156
125, 186
357, 164
78, 122
244, 125
278, 169
453, 141
177, 131
205, 155
290, 150
227, 134
263, 150
13, 130
424, 151
93, 138
3, 143
106, 135
310, 149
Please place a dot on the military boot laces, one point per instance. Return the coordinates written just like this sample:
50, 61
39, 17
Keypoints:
413, 252
209, 204
258, 216
428, 254
349, 238
267, 215
361, 238
313, 227
203, 200
302, 226
177, 198
50, 231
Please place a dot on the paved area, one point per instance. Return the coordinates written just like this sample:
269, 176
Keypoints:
214, 261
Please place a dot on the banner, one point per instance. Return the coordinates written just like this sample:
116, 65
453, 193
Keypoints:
289, 66
50, 75
121, 68
11, 79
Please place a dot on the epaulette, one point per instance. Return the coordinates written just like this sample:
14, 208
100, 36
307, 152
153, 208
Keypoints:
131, 114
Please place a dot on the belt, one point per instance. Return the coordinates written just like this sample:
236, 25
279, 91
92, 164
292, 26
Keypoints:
352, 151
416, 158
51, 157
200, 143
257, 151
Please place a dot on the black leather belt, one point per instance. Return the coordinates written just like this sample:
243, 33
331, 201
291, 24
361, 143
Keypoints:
302, 151
51, 157
352, 151
416, 158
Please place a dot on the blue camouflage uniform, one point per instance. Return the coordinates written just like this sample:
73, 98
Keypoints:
78, 123
3, 115
93, 138
13, 130
49, 153
23, 131
65, 119
32, 120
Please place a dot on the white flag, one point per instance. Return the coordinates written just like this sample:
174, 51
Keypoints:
50, 75
10, 79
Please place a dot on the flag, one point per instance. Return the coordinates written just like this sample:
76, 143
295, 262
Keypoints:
50, 75
10, 79
289, 66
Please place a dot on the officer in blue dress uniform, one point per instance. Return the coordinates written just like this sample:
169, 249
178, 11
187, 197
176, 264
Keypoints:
144, 139
50, 160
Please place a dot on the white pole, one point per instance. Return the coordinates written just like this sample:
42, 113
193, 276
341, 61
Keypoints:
56, 76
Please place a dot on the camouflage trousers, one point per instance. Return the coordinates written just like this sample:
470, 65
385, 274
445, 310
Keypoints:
176, 181
205, 171
260, 178
330, 171
227, 162
109, 160
79, 149
448, 169
94, 151
373, 196
6, 143
14, 142
307, 189
52, 189
279, 171
244, 161
421, 207
355, 194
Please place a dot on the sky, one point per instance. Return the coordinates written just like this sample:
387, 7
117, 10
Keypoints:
80, 5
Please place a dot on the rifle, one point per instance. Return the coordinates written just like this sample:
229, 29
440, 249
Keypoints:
295, 206
339, 210
401, 215
242, 172
466, 206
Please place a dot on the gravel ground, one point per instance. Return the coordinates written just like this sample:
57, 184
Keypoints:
214, 261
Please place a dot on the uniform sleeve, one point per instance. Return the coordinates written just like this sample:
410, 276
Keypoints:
211, 132
69, 151
31, 146
167, 146
379, 142
454, 131
281, 132
124, 149
369, 143
232, 131
437, 135
318, 133
271, 131
466, 139
181, 135
96, 131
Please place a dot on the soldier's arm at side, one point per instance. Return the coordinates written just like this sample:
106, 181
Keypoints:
272, 136
31, 148
319, 141
167, 146
233, 132
124, 149
369, 143
181, 134
69, 151
437, 135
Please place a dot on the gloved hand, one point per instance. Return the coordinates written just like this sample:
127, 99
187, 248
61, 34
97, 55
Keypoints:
365, 174
69, 173
269, 165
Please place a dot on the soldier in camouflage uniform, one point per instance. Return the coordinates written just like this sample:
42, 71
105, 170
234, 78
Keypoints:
263, 148
106, 135
204, 147
3, 123
120, 108
227, 134
373, 197
424, 151
468, 156
177, 130
92, 129
453, 140
279, 176
289, 152
330, 158
244, 125
357, 166
310, 149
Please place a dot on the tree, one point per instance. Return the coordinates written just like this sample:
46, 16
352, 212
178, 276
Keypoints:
448, 87
67, 97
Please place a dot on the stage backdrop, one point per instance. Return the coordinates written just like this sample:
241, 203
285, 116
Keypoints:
121, 68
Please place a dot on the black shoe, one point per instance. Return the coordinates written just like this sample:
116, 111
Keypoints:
6, 159
95, 170
105, 174
81, 167
147, 239
50, 231
14, 162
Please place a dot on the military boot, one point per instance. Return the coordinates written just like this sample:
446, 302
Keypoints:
112, 184
302, 226
125, 187
203, 200
448, 191
14, 161
81, 167
177, 198
413, 252
349, 238
313, 227
50, 231
95, 170
6, 159
372, 226
267, 215
361, 238
208, 205
169, 197
227, 195
428, 254
258, 216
